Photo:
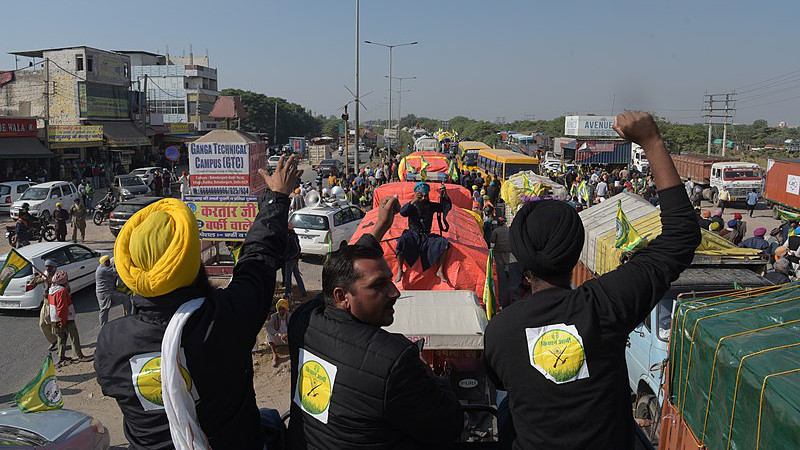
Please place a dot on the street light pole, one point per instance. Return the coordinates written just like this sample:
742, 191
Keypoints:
390, 47
358, 85
399, 99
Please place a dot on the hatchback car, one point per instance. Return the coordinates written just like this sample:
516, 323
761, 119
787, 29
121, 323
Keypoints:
79, 261
325, 228
11, 191
328, 166
42, 198
128, 186
272, 162
125, 210
51, 430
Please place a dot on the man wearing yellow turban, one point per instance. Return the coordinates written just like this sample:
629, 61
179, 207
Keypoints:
157, 255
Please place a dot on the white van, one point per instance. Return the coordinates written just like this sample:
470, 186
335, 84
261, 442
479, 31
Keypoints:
42, 198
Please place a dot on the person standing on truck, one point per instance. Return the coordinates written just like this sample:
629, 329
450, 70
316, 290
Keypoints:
560, 352
752, 201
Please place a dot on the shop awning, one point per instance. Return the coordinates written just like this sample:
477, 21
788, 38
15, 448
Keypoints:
122, 134
23, 147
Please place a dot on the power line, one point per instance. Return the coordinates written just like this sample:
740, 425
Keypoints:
768, 79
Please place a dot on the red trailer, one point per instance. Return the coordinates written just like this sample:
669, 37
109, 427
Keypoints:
782, 189
696, 167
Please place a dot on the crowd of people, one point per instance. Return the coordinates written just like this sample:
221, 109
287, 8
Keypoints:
352, 383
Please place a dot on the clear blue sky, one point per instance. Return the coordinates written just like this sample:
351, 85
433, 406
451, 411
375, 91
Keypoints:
476, 58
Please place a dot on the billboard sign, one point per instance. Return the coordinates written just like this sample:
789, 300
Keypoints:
103, 101
590, 126
17, 127
74, 133
223, 218
219, 168
297, 144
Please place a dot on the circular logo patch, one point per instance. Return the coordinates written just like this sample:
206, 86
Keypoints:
148, 382
49, 392
315, 387
622, 229
560, 354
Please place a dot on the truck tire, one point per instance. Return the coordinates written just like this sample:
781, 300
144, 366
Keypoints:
715, 197
647, 414
775, 214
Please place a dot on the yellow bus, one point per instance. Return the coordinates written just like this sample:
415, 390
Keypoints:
505, 163
468, 153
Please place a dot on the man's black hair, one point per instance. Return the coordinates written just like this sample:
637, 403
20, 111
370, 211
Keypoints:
338, 270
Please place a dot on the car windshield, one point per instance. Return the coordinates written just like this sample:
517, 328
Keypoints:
309, 222
35, 193
328, 162
5, 189
131, 181
742, 174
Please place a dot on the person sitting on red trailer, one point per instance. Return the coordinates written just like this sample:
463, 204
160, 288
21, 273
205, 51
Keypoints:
417, 242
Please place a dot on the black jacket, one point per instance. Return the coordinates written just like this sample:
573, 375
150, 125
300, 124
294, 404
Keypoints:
560, 353
381, 394
217, 341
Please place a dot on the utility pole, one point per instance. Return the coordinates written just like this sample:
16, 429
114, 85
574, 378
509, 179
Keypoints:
722, 114
399, 98
146, 108
47, 98
358, 85
275, 125
346, 117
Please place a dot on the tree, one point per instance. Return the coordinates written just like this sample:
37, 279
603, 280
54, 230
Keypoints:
293, 119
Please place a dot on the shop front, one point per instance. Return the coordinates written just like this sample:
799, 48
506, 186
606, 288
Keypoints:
73, 146
22, 154
126, 144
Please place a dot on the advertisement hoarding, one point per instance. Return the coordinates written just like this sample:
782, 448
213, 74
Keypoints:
223, 218
218, 168
102, 101
74, 133
297, 144
18, 127
589, 126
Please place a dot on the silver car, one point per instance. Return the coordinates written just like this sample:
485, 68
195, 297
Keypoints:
61, 429
128, 186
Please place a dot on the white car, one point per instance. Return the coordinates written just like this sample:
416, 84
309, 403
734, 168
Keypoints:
79, 261
11, 191
42, 198
323, 228
272, 162
147, 173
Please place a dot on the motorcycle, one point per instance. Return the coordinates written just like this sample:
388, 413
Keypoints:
103, 210
39, 229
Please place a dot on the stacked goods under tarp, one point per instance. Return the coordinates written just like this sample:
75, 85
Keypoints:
459, 195
600, 255
466, 257
525, 186
427, 165
735, 371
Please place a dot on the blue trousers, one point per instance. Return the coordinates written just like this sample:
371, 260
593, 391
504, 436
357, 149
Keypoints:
292, 269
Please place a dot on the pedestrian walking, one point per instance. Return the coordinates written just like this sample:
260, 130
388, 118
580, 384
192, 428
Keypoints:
105, 278
60, 218
291, 268
62, 318
157, 186
82, 190
77, 213
723, 198
89, 202
166, 183
184, 181
501, 245
45, 278
752, 201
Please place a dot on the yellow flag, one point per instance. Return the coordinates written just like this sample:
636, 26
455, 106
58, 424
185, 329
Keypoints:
14, 264
627, 237
235, 252
42, 393
423, 168
489, 297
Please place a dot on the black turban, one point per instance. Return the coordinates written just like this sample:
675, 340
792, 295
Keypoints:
547, 237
